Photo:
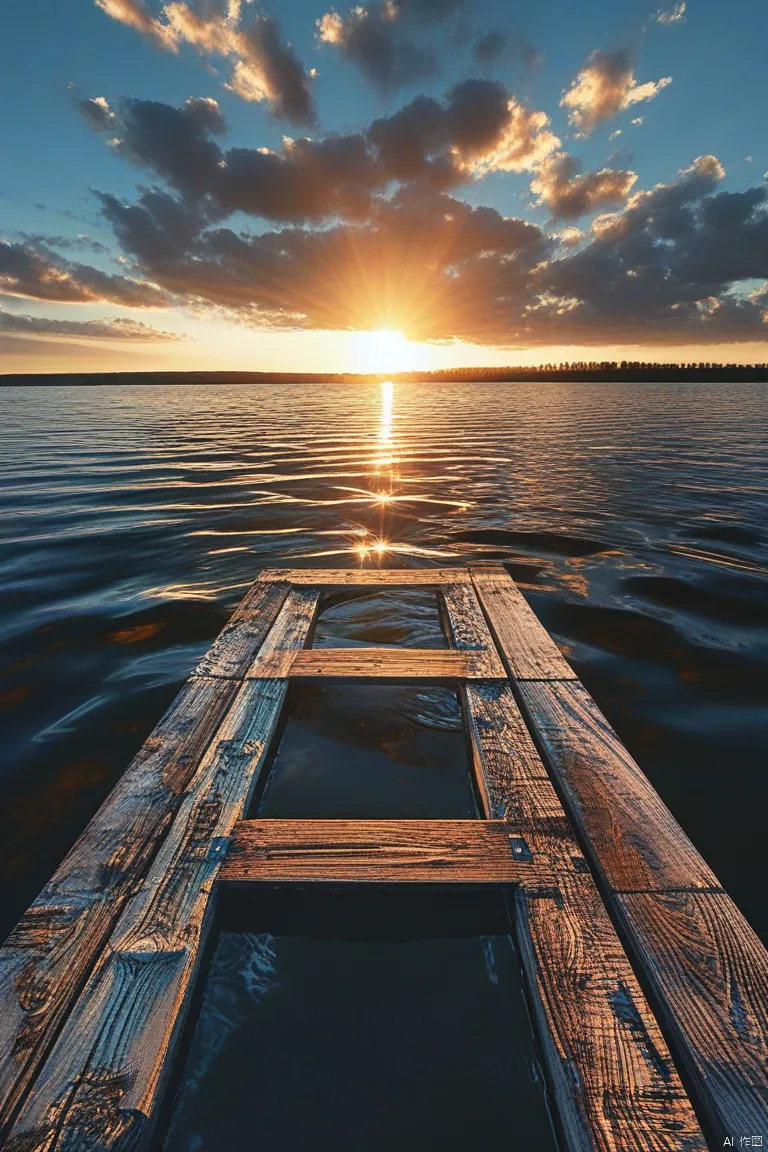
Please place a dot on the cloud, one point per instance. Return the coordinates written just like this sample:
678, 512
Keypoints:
477, 128
673, 15
264, 66
605, 86
666, 269
174, 142
568, 194
136, 15
386, 40
406, 267
492, 46
39, 275
371, 41
109, 329
80, 243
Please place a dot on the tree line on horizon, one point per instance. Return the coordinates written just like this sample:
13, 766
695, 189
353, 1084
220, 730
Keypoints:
581, 371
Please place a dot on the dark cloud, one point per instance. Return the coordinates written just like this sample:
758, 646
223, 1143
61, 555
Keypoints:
374, 43
264, 66
386, 40
478, 127
174, 142
117, 328
39, 275
568, 193
668, 268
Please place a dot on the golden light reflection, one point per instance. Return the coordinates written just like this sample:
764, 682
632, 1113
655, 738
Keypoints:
387, 389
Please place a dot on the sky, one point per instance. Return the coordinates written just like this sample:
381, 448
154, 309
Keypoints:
408, 184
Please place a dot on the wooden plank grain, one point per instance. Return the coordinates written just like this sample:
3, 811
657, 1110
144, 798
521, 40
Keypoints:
427, 665
378, 851
528, 650
241, 637
709, 972
367, 577
101, 1085
54, 948
467, 628
289, 633
615, 1086
634, 840
512, 780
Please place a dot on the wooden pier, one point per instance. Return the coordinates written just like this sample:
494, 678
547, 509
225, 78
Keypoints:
649, 989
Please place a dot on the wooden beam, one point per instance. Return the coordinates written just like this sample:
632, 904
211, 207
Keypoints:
614, 1084
427, 665
709, 970
53, 950
634, 839
240, 639
705, 968
377, 851
288, 635
102, 1082
101, 1085
513, 782
367, 577
528, 650
467, 628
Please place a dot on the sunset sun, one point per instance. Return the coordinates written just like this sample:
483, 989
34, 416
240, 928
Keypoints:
382, 350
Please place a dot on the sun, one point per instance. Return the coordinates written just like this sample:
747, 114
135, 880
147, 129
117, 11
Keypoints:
383, 350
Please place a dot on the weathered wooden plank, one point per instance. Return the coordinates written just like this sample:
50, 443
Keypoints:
428, 665
367, 577
240, 639
53, 949
709, 973
632, 837
378, 851
100, 1087
467, 628
289, 633
528, 650
513, 782
614, 1084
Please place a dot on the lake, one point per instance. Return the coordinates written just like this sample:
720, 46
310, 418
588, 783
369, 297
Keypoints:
132, 519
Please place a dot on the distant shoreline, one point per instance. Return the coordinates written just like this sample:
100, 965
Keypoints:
631, 372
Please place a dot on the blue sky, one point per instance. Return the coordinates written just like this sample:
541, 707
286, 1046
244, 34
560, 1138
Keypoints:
54, 57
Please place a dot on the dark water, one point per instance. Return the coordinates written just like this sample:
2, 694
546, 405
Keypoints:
132, 520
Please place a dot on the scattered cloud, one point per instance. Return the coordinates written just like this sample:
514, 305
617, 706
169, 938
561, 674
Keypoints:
605, 86
673, 15
117, 328
264, 66
637, 121
29, 271
568, 194
80, 243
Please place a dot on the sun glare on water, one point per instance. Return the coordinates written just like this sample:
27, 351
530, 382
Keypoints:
383, 350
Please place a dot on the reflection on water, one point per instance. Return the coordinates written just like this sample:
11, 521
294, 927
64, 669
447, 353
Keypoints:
634, 516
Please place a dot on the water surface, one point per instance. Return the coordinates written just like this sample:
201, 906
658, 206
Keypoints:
634, 516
